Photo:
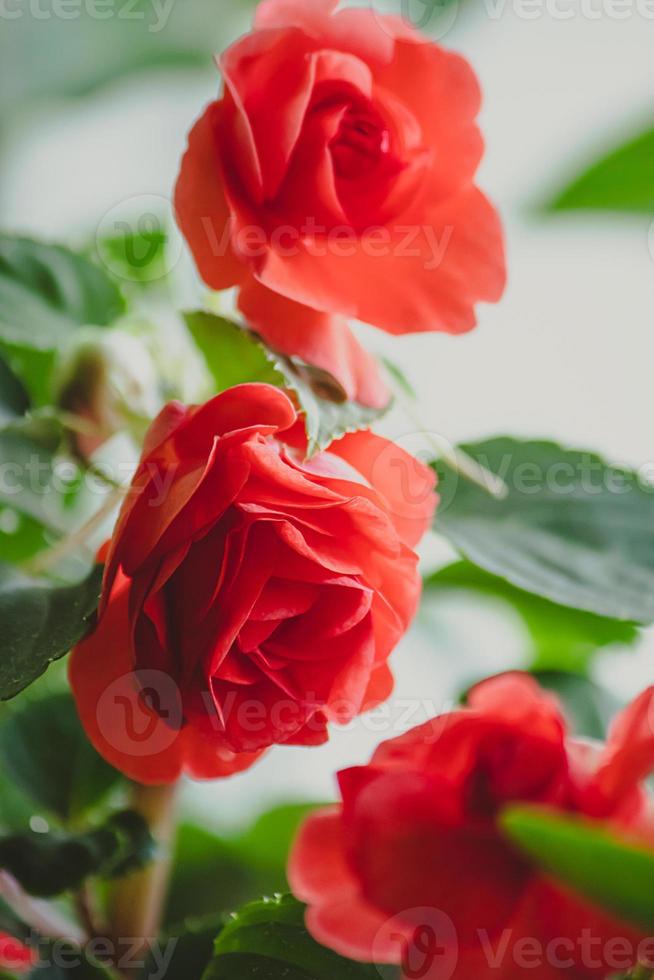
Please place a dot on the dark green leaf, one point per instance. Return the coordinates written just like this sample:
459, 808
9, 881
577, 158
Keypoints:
614, 873
46, 291
14, 400
35, 368
621, 181
62, 960
48, 864
192, 951
40, 622
44, 750
235, 355
571, 529
562, 638
11, 924
271, 934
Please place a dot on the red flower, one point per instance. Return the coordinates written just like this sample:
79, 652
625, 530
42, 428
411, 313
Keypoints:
250, 596
337, 172
14, 956
411, 867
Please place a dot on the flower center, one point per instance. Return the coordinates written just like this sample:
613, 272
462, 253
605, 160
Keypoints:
361, 142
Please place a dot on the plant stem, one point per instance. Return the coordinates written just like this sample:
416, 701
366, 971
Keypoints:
78, 539
136, 902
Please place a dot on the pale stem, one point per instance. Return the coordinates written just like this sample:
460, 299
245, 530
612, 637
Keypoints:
136, 902
37, 914
456, 458
68, 546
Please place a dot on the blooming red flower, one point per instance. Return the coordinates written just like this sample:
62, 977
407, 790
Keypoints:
14, 956
411, 868
337, 172
250, 596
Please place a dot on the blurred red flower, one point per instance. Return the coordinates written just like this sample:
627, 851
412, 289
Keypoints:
14, 956
334, 178
411, 868
251, 596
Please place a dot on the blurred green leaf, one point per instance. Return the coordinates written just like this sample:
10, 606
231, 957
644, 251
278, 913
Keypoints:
46, 753
135, 257
622, 181
235, 355
11, 924
21, 537
47, 290
613, 872
68, 961
562, 638
266, 845
48, 864
268, 939
14, 400
571, 529
208, 877
213, 874
40, 622
193, 949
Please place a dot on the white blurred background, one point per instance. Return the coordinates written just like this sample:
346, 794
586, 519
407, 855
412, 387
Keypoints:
567, 354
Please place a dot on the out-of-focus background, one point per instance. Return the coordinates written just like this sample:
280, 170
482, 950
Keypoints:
96, 98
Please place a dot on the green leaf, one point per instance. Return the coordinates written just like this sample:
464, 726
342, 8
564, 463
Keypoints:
11, 924
562, 638
136, 256
613, 872
270, 935
208, 876
213, 874
571, 528
46, 291
45, 752
267, 844
64, 960
235, 355
48, 864
40, 622
192, 950
622, 181
21, 537
14, 400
